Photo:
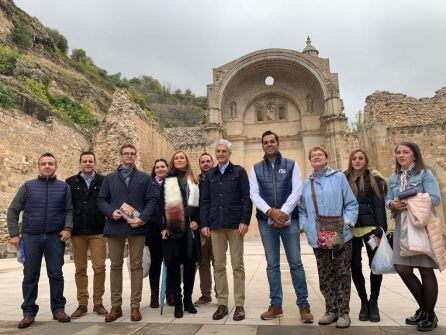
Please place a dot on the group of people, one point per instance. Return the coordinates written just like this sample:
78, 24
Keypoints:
189, 220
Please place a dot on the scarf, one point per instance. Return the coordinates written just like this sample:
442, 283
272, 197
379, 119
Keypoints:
126, 173
174, 204
159, 180
405, 176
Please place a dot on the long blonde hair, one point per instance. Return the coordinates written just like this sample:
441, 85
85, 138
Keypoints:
189, 173
352, 176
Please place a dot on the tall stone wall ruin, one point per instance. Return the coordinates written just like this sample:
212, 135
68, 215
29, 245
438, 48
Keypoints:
23, 140
391, 118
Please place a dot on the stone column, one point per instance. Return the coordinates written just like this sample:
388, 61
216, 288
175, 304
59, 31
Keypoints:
336, 140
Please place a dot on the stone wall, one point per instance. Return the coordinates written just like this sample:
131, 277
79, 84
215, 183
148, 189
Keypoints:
193, 141
23, 140
126, 123
392, 118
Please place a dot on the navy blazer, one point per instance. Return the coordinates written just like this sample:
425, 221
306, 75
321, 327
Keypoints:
139, 194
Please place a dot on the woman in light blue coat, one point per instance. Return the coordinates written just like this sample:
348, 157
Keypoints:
334, 198
411, 173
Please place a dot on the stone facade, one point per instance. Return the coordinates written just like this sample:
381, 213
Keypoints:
292, 93
391, 118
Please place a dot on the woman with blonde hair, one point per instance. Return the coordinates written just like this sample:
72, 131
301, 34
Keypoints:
370, 189
180, 230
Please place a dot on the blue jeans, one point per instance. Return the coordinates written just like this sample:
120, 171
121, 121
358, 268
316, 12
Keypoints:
37, 246
291, 243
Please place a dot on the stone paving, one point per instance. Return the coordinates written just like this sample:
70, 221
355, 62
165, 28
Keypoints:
395, 304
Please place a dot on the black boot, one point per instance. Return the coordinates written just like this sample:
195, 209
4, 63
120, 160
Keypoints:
364, 312
413, 320
189, 306
428, 322
374, 311
178, 313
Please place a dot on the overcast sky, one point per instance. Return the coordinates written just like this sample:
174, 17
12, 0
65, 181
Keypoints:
397, 46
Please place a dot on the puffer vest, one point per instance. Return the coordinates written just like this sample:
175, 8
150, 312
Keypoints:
275, 185
44, 210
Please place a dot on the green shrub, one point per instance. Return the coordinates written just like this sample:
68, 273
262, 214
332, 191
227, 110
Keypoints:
7, 97
73, 111
79, 55
8, 59
59, 40
37, 88
22, 35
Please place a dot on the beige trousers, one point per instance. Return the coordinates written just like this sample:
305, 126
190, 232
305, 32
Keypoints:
96, 245
220, 240
116, 247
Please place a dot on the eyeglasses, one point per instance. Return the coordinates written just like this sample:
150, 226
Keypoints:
320, 154
128, 154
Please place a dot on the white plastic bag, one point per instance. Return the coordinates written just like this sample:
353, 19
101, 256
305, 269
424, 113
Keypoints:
383, 260
146, 261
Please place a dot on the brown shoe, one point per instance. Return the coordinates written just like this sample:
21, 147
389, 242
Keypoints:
135, 315
26, 322
272, 312
115, 312
220, 313
100, 309
239, 313
61, 316
203, 300
80, 311
305, 315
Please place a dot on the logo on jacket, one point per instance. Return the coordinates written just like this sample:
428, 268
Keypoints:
282, 171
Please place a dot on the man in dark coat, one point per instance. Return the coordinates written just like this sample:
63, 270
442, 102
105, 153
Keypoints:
225, 210
47, 223
126, 186
88, 226
205, 163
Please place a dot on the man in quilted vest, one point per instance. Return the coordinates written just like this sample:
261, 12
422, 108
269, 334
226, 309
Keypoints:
275, 188
47, 223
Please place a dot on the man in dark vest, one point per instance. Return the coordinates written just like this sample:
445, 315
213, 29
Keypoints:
88, 226
130, 186
47, 224
276, 187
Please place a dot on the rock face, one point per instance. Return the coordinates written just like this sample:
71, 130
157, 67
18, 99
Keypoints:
126, 123
42, 63
391, 118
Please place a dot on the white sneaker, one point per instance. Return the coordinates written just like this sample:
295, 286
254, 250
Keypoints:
343, 321
328, 318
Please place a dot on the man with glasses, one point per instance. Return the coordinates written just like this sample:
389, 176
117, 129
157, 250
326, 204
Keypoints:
132, 188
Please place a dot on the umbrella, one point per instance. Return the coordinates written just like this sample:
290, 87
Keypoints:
163, 286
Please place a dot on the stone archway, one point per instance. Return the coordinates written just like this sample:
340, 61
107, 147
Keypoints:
304, 93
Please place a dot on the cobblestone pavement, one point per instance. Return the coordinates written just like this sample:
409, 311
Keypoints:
395, 304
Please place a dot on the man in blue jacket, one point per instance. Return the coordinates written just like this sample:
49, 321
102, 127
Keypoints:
47, 223
276, 187
225, 210
127, 185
